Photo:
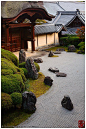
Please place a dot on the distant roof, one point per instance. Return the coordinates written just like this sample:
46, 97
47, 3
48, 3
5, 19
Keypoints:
72, 5
70, 31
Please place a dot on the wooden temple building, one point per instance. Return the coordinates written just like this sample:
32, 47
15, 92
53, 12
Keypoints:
14, 32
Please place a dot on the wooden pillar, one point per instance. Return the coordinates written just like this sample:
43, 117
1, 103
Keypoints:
32, 37
7, 34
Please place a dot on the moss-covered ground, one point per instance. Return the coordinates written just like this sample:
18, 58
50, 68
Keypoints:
37, 86
54, 48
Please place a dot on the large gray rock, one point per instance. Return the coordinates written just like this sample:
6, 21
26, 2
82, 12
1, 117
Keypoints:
50, 54
66, 103
48, 81
53, 70
22, 56
71, 48
38, 60
32, 71
28, 101
58, 74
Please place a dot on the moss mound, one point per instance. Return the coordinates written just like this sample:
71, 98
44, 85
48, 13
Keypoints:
9, 56
37, 66
6, 101
16, 98
25, 72
12, 83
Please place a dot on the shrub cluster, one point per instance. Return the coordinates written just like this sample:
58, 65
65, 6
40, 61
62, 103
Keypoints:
82, 47
70, 40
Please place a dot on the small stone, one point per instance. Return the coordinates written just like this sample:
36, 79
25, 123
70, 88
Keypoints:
53, 70
38, 60
66, 103
50, 54
57, 52
58, 74
22, 56
71, 48
48, 81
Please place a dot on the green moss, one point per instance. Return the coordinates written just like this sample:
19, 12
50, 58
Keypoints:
9, 56
6, 101
37, 86
22, 65
25, 72
16, 98
6, 71
21, 72
12, 83
37, 66
5, 64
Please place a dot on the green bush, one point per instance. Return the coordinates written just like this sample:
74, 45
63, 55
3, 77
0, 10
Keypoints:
5, 64
21, 72
22, 65
16, 98
6, 101
9, 56
37, 66
12, 83
70, 40
25, 72
82, 46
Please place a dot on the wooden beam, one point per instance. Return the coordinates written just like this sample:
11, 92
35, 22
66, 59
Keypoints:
19, 25
7, 34
33, 37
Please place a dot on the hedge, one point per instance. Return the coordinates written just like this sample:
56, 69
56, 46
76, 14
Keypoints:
70, 40
6, 101
9, 56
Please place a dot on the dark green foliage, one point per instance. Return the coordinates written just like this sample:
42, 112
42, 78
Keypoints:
16, 98
22, 65
37, 66
25, 72
9, 56
6, 101
70, 40
6, 71
12, 83
82, 47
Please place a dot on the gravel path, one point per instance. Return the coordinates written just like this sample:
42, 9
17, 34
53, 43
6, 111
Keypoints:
50, 113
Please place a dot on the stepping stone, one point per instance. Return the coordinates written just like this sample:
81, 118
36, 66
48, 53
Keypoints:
57, 52
53, 70
66, 103
58, 74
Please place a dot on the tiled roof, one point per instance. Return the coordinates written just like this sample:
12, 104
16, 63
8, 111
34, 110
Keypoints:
48, 28
72, 5
70, 31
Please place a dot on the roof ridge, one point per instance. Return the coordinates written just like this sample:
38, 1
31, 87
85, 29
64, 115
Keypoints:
60, 6
57, 18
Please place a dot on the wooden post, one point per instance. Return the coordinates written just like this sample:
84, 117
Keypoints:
7, 34
32, 37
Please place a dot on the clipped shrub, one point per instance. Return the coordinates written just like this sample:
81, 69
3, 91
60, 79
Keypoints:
82, 46
70, 40
21, 72
22, 65
25, 72
12, 83
9, 56
5, 64
6, 101
6, 71
16, 98
37, 66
